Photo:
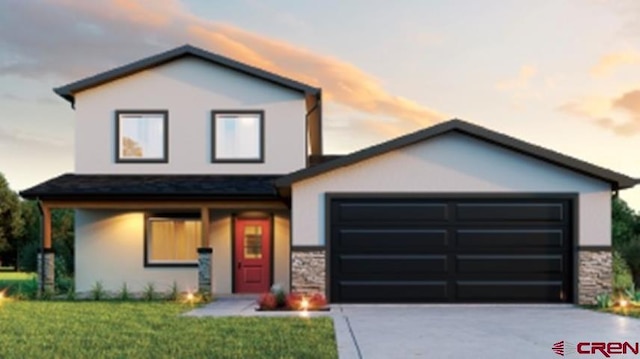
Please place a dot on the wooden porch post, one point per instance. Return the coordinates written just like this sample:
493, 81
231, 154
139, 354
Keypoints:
46, 257
204, 216
205, 255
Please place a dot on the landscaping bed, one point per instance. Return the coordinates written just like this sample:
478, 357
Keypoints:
38, 329
278, 300
627, 312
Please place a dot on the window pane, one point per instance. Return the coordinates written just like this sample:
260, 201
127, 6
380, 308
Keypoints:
142, 136
174, 240
237, 136
253, 242
162, 245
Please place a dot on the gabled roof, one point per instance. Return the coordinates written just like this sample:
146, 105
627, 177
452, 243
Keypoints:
68, 91
617, 180
90, 186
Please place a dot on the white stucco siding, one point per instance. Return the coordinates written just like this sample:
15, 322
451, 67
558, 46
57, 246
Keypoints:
220, 239
452, 163
110, 248
190, 89
281, 247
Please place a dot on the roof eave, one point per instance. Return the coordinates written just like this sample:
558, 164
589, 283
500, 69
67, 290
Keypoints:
616, 180
68, 91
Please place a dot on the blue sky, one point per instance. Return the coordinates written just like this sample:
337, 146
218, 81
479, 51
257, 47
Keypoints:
561, 74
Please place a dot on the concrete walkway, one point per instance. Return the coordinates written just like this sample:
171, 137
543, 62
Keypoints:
240, 307
455, 331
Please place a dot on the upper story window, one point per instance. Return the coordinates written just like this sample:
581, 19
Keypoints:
237, 136
142, 136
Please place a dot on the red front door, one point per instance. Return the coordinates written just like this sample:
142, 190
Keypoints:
252, 255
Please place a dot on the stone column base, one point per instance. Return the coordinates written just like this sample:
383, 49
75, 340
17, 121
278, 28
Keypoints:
46, 279
205, 255
308, 270
595, 274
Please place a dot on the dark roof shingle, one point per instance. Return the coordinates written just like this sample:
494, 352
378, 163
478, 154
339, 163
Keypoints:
617, 180
68, 91
83, 186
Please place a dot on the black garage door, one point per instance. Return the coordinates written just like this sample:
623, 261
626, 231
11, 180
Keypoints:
390, 250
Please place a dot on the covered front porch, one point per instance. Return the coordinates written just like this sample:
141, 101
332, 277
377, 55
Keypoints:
212, 243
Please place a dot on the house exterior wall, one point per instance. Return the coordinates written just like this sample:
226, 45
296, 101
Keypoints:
189, 89
110, 248
220, 240
452, 163
455, 163
281, 245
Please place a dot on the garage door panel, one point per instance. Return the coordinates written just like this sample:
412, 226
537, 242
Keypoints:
386, 239
393, 264
501, 212
513, 238
392, 291
389, 212
450, 250
544, 291
509, 264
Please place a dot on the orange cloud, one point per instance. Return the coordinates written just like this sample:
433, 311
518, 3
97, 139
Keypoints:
169, 21
620, 114
520, 82
610, 62
594, 106
342, 82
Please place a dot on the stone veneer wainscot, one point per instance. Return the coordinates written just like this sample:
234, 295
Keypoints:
308, 270
594, 274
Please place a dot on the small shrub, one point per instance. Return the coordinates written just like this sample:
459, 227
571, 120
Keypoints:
604, 300
621, 273
631, 293
97, 291
294, 301
149, 292
63, 283
317, 301
205, 297
630, 252
71, 292
174, 293
47, 294
267, 301
280, 295
124, 293
27, 289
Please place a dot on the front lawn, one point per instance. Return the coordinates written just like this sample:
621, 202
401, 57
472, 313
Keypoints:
16, 276
31, 329
12, 283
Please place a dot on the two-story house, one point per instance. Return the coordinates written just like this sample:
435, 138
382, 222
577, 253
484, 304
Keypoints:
195, 169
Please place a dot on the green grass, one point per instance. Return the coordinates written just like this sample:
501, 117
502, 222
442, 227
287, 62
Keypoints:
32, 329
13, 283
16, 276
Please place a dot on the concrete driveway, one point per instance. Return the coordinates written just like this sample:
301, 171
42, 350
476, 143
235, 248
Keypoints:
475, 331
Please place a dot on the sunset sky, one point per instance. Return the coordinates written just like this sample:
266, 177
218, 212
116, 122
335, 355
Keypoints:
561, 74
